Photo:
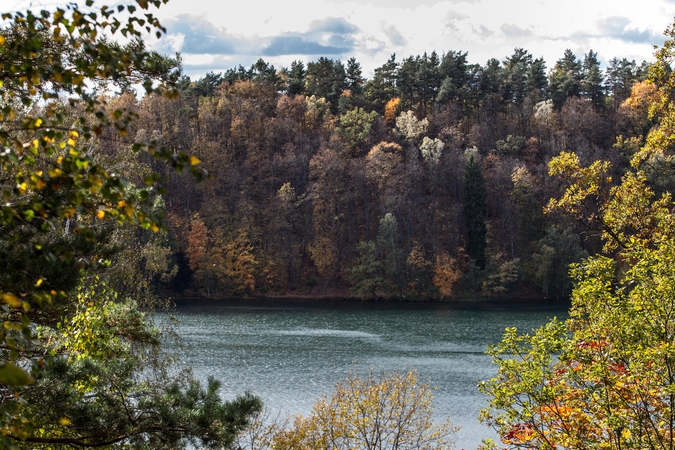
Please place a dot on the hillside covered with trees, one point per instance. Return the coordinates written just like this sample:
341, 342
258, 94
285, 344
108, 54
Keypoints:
434, 179
427, 181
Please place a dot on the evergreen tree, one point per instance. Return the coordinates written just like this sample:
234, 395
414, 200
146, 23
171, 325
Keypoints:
80, 362
382, 87
326, 78
455, 75
537, 82
619, 80
296, 78
565, 80
475, 211
355, 78
392, 255
405, 81
427, 79
264, 72
516, 69
592, 83
205, 86
366, 277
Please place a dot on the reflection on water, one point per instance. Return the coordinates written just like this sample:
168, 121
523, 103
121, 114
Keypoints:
292, 353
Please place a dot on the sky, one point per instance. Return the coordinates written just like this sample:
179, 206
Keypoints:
215, 35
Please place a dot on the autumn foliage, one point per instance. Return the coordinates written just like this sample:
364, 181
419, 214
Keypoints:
604, 378
364, 412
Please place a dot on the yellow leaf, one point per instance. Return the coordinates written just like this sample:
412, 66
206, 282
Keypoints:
11, 299
64, 421
2, 40
100, 214
73, 134
194, 160
38, 283
38, 122
71, 142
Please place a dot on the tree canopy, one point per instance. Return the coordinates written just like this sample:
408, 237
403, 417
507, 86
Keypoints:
604, 377
80, 361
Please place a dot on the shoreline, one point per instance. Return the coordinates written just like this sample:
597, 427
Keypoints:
462, 303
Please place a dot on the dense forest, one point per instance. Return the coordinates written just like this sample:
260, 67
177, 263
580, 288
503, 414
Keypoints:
427, 181
436, 179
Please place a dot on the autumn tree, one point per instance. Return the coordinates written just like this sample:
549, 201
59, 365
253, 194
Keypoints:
446, 274
603, 378
80, 363
370, 412
391, 110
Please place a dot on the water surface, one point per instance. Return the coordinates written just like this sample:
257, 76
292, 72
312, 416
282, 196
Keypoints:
292, 353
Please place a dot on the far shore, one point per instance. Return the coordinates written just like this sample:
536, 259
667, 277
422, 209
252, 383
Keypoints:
459, 303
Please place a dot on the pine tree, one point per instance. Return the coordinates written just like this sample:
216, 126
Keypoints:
382, 87
474, 211
565, 79
355, 78
537, 83
592, 83
296, 78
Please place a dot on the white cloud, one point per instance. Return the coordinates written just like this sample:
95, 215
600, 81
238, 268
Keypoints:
217, 36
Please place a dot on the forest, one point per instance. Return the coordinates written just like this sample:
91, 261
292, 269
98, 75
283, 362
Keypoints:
427, 181
435, 179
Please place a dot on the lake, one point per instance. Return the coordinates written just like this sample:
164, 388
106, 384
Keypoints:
291, 353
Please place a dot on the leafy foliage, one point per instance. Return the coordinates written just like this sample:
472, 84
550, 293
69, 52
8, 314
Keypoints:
370, 412
604, 378
80, 363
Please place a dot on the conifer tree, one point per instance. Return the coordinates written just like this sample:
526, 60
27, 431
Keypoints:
475, 211
565, 79
355, 78
296, 78
592, 83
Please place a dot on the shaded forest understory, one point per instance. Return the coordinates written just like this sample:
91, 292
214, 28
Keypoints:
428, 181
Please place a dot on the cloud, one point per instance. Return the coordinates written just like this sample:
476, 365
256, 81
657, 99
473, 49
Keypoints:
483, 31
215, 63
329, 36
394, 36
335, 34
191, 34
452, 18
617, 27
333, 25
297, 45
514, 31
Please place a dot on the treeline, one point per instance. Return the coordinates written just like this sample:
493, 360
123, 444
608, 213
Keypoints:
427, 181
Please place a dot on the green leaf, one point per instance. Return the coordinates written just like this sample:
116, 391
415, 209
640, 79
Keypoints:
12, 375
